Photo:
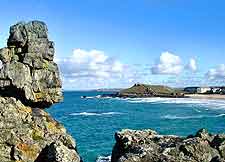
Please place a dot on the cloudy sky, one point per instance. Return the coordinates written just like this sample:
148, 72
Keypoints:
115, 43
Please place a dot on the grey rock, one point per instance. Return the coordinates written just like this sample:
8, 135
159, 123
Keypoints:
148, 146
28, 71
30, 82
57, 152
18, 35
5, 55
26, 134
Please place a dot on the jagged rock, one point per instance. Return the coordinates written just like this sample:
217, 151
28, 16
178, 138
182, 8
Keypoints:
30, 81
58, 152
148, 146
28, 71
28, 133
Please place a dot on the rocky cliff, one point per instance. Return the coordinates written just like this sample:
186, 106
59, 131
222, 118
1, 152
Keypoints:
148, 146
30, 82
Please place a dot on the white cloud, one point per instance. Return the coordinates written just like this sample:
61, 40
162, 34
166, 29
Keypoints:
90, 69
217, 73
192, 65
168, 64
94, 69
93, 63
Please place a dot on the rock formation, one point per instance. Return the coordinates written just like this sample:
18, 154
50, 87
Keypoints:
30, 82
28, 72
148, 146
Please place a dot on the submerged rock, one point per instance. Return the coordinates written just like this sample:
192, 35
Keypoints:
28, 71
148, 146
29, 82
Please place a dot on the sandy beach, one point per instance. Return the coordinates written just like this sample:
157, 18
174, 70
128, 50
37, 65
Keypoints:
206, 96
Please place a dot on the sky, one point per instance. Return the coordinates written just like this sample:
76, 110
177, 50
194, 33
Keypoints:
116, 43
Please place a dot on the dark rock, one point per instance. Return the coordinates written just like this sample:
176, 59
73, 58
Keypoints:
148, 146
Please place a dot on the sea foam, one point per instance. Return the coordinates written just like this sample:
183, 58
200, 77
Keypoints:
103, 159
216, 104
95, 113
174, 117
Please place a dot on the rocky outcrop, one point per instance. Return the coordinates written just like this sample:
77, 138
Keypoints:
30, 82
148, 146
28, 72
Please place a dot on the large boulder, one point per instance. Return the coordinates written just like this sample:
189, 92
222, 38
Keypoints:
28, 71
148, 146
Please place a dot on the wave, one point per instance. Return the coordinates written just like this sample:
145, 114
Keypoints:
216, 104
94, 97
174, 117
95, 113
103, 159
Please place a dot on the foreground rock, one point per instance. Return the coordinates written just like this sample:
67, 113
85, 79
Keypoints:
148, 146
30, 82
29, 135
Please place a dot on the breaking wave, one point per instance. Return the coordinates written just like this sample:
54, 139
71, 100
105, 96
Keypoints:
201, 102
95, 113
174, 117
103, 159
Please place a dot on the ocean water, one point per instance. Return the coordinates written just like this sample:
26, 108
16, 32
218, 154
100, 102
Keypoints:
93, 121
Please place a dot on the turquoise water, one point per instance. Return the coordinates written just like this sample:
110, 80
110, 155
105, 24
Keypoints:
93, 121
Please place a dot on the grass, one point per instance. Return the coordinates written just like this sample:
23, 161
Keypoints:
145, 89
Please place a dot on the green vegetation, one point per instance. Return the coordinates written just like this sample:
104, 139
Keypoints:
141, 90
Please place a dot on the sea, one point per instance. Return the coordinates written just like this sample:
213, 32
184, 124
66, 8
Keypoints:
93, 121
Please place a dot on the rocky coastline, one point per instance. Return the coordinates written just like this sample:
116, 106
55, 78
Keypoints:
29, 83
148, 146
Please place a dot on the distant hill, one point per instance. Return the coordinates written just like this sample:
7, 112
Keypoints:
144, 90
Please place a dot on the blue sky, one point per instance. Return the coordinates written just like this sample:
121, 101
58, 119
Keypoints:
116, 43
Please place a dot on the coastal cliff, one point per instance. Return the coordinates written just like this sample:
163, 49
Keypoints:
148, 146
29, 83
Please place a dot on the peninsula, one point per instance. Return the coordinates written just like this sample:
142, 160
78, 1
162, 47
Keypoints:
145, 91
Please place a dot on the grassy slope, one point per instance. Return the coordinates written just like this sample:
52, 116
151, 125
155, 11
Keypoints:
141, 89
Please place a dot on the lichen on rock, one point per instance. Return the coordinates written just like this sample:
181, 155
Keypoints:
30, 82
28, 71
148, 146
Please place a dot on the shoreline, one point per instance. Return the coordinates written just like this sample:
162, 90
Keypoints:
191, 96
206, 96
